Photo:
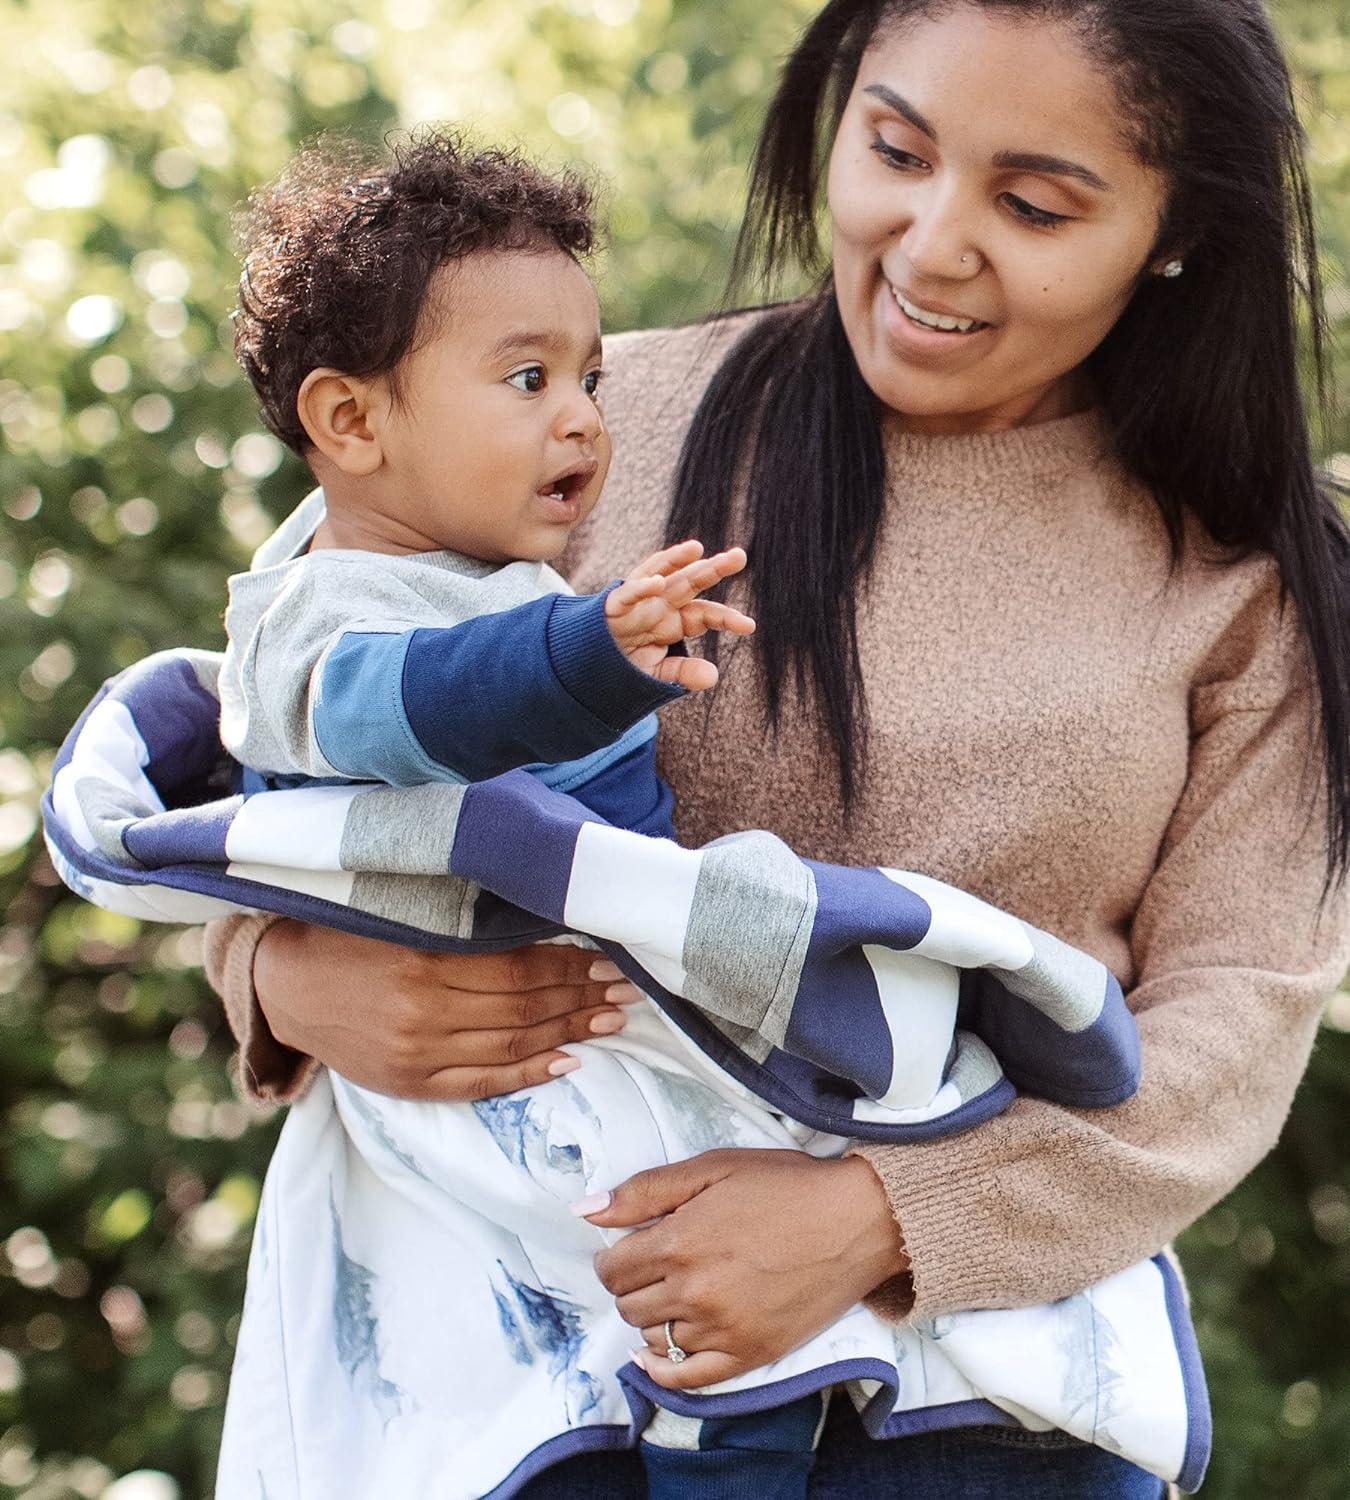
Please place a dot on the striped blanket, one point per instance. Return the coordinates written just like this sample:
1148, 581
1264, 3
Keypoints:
868, 1002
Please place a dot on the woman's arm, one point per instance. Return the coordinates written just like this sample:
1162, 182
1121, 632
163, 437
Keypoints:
411, 1024
269, 1071
1235, 955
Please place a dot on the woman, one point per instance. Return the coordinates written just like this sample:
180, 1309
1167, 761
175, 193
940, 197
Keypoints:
1037, 549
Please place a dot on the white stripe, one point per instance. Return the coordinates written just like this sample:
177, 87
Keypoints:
109, 748
300, 829
966, 931
918, 998
328, 885
636, 891
945, 1102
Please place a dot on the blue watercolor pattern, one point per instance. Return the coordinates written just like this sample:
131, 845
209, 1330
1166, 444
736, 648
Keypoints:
375, 1122
356, 1328
524, 1130
706, 1120
555, 1328
1093, 1379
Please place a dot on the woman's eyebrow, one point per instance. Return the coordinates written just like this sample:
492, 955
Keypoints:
903, 108
1055, 166
1022, 161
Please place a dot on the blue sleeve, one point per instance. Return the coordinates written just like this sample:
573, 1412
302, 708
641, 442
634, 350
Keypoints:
543, 682
624, 788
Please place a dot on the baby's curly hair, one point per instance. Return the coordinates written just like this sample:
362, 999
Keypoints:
339, 251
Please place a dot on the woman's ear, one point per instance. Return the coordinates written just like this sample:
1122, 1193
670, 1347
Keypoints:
341, 416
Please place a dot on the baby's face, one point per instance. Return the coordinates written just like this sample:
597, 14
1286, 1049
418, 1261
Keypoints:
496, 440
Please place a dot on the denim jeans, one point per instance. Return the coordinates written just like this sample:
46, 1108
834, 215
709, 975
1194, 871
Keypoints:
969, 1463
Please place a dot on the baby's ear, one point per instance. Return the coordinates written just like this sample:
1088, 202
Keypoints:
342, 416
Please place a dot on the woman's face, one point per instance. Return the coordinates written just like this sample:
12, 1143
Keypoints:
982, 172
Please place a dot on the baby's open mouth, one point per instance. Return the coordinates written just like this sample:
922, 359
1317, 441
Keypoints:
569, 484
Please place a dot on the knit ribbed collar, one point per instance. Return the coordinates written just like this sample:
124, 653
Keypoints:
1032, 452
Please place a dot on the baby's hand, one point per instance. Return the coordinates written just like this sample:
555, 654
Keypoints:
658, 604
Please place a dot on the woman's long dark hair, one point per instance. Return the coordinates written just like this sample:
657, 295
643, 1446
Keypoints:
1199, 378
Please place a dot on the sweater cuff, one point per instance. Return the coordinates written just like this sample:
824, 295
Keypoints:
941, 1196
590, 665
269, 1071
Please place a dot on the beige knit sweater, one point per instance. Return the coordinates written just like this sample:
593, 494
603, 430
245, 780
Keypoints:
1117, 755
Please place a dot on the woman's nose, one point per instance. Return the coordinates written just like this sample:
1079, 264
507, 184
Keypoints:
937, 240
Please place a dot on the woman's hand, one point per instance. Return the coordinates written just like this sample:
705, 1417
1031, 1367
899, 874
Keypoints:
752, 1253
434, 1025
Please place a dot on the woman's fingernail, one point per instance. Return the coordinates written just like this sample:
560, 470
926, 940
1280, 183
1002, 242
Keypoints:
640, 1359
593, 1203
604, 971
607, 1023
562, 1065
623, 994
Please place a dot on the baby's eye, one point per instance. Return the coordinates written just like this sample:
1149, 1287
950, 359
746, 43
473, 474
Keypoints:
591, 381
530, 379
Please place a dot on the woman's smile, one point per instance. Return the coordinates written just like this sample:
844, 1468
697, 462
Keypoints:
925, 334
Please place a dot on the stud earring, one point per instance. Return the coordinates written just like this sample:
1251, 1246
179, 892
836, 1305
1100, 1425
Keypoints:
1172, 269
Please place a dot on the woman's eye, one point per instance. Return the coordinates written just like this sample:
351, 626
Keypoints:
591, 381
893, 156
529, 380
1033, 215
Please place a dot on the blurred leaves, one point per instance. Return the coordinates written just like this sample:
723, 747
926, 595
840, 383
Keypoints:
134, 477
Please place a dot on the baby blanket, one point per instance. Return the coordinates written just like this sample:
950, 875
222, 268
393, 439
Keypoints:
408, 1328
868, 1002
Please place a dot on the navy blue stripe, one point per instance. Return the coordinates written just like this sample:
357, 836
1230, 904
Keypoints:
1091, 1069
525, 860
184, 835
1199, 1417
178, 722
211, 880
629, 794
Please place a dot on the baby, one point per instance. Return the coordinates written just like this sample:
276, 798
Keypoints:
423, 334
403, 625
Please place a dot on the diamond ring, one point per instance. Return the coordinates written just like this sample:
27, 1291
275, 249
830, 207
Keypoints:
674, 1353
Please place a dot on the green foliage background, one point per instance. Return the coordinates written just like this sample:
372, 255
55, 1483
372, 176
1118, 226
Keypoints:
134, 477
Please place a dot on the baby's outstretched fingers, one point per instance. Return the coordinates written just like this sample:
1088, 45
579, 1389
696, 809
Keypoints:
703, 573
701, 615
668, 560
691, 673
631, 591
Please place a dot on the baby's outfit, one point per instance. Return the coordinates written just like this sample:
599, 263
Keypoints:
341, 666
422, 1314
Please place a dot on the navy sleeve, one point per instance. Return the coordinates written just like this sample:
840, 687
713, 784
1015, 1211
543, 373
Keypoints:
628, 793
543, 682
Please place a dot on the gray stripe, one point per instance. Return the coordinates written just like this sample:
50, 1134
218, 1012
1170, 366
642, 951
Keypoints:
108, 808
745, 1040
779, 1014
976, 1069
402, 830
205, 668
432, 903
1065, 984
748, 927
